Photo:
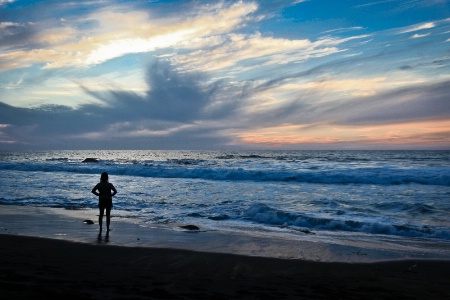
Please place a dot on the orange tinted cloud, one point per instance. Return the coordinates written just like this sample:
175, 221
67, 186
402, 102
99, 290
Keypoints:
418, 133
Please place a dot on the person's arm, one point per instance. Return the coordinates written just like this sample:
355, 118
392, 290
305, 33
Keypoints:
113, 189
94, 190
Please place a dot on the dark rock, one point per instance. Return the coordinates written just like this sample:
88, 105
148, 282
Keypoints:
91, 160
88, 222
190, 227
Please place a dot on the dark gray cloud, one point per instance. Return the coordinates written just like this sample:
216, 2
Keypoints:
414, 103
15, 35
173, 99
171, 96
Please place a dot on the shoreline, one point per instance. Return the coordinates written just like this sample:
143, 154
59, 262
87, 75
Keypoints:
67, 225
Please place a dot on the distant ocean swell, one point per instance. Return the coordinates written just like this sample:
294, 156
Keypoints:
197, 170
266, 215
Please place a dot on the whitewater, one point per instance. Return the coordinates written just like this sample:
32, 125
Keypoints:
400, 197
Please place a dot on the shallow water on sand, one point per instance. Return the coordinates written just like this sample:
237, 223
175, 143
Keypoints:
57, 223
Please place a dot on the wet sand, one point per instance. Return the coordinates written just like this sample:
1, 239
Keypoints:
55, 256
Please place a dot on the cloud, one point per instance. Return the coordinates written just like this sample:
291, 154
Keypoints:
310, 115
227, 72
113, 33
14, 35
414, 135
234, 49
242, 52
181, 110
170, 96
407, 104
418, 36
418, 27
4, 2
295, 2
343, 29
175, 105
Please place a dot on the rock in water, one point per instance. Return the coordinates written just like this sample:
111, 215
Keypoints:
190, 227
88, 222
91, 160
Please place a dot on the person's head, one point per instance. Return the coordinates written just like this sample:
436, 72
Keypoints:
104, 177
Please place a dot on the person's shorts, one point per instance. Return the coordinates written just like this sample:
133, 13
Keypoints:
105, 203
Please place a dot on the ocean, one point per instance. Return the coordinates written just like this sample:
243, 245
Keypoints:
400, 197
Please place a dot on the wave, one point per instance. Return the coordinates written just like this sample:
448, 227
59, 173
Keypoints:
266, 215
199, 169
410, 208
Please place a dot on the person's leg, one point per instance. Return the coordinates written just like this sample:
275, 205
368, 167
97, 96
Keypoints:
100, 219
108, 218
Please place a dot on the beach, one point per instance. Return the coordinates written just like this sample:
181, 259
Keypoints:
53, 269
53, 255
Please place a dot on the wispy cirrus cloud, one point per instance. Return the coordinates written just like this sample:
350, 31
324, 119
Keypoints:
237, 48
418, 27
418, 36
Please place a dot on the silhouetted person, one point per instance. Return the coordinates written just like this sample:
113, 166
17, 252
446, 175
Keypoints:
105, 191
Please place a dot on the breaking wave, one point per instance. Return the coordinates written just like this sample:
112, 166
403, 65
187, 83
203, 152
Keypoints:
266, 215
195, 169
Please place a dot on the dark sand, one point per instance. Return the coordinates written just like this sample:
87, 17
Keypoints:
61, 259
32, 268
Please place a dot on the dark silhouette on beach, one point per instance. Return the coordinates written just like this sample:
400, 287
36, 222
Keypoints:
105, 191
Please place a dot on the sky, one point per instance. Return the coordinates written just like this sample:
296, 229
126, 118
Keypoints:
251, 74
